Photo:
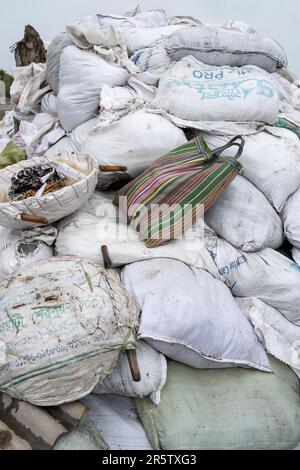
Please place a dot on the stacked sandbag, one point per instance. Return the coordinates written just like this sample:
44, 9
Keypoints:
136, 18
64, 323
266, 275
280, 337
54, 53
153, 367
194, 91
245, 218
139, 38
225, 410
153, 62
17, 251
270, 161
291, 219
136, 141
198, 323
85, 437
78, 100
48, 104
116, 419
223, 46
98, 224
117, 94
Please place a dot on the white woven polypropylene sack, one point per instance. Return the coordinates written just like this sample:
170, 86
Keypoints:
136, 141
266, 275
116, 419
291, 219
296, 255
48, 104
54, 52
271, 161
54, 205
137, 38
64, 145
191, 317
153, 369
145, 19
279, 336
153, 62
223, 46
98, 224
64, 322
17, 252
194, 91
82, 75
245, 218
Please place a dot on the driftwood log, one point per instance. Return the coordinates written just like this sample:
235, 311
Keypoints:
27, 427
30, 49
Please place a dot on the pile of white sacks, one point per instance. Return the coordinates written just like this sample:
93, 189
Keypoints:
127, 90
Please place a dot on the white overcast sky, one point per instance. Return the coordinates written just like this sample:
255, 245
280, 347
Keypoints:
276, 18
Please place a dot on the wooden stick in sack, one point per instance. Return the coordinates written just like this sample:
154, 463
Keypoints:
131, 353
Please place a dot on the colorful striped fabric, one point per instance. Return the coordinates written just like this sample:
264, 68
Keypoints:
168, 197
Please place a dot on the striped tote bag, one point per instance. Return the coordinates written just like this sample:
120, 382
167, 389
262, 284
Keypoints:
167, 198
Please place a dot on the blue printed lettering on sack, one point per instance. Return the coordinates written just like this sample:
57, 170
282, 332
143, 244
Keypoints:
240, 89
296, 266
218, 75
234, 265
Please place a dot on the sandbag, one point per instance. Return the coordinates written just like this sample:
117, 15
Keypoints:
64, 145
244, 217
279, 336
153, 367
6, 129
40, 134
78, 100
227, 46
144, 19
194, 91
137, 38
271, 161
27, 90
54, 52
64, 322
16, 252
136, 141
57, 204
84, 437
191, 317
234, 409
117, 421
266, 275
48, 104
100, 225
291, 219
153, 63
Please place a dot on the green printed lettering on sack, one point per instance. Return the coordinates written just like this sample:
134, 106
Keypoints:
15, 323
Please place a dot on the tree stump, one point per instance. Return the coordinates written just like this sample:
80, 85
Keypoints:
30, 49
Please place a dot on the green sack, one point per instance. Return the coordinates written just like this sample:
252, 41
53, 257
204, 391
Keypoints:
84, 437
226, 409
10, 155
